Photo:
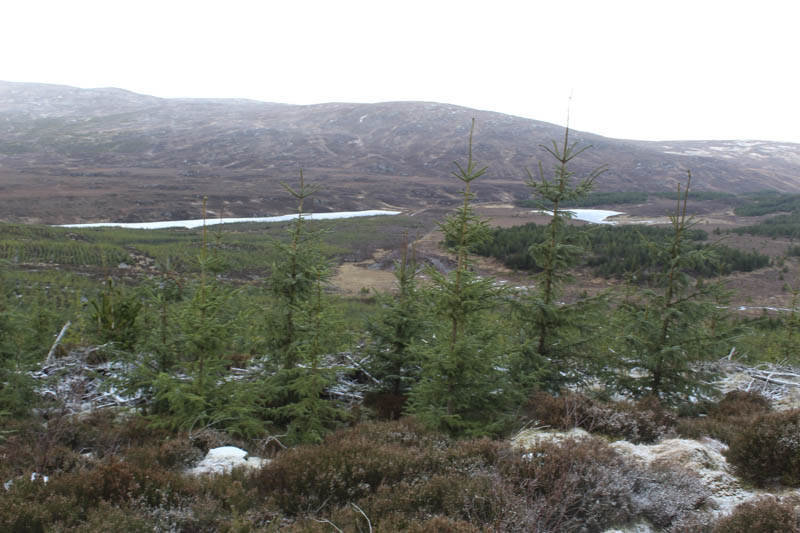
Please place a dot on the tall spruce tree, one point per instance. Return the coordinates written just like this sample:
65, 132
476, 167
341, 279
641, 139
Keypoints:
304, 330
299, 267
204, 328
667, 329
551, 334
463, 387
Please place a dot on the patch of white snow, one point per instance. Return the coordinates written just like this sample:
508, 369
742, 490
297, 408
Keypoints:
529, 438
196, 223
224, 459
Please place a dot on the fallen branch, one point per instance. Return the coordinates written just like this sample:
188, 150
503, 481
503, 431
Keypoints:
770, 379
58, 340
364, 515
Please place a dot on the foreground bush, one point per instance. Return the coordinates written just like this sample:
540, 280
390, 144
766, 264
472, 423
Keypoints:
725, 419
393, 476
644, 421
406, 478
768, 449
766, 515
357, 462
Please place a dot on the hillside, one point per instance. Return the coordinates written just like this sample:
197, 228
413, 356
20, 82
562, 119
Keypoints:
70, 155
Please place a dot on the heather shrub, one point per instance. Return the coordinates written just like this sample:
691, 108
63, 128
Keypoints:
586, 485
38, 448
398, 472
118, 482
644, 421
350, 464
722, 429
740, 403
346, 519
469, 456
576, 483
23, 509
172, 453
766, 515
441, 524
768, 449
462, 496
725, 418
208, 438
109, 518
125, 497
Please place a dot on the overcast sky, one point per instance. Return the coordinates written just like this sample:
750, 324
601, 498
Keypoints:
645, 69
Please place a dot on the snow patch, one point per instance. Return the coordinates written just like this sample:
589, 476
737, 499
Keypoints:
530, 438
196, 223
34, 476
691, 152
595, 216
224, 459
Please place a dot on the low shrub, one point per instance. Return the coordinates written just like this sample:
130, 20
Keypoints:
572, 483
398, 472
726, 418
350, 464
739, 404
175, 453
118, 482
440, 524
768, 449
586, 485
113, 519
644, 421
23, 510
722, 430
766, 515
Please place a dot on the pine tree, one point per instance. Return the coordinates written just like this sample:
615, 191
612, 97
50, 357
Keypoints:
293, 278
305, 329
669, 328
550, 332
398, 325
203, 330
309, 412
463, 385
114, 314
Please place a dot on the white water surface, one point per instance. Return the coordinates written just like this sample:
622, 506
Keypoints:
196, 223
595, 216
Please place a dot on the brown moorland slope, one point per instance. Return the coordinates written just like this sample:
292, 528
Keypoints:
70, 155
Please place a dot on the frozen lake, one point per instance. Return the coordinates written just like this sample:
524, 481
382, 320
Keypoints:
196, 223
596, 216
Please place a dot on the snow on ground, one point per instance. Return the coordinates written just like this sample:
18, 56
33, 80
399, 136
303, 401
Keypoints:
692, 152
531, 437
196, 223
595, 216
224, 459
